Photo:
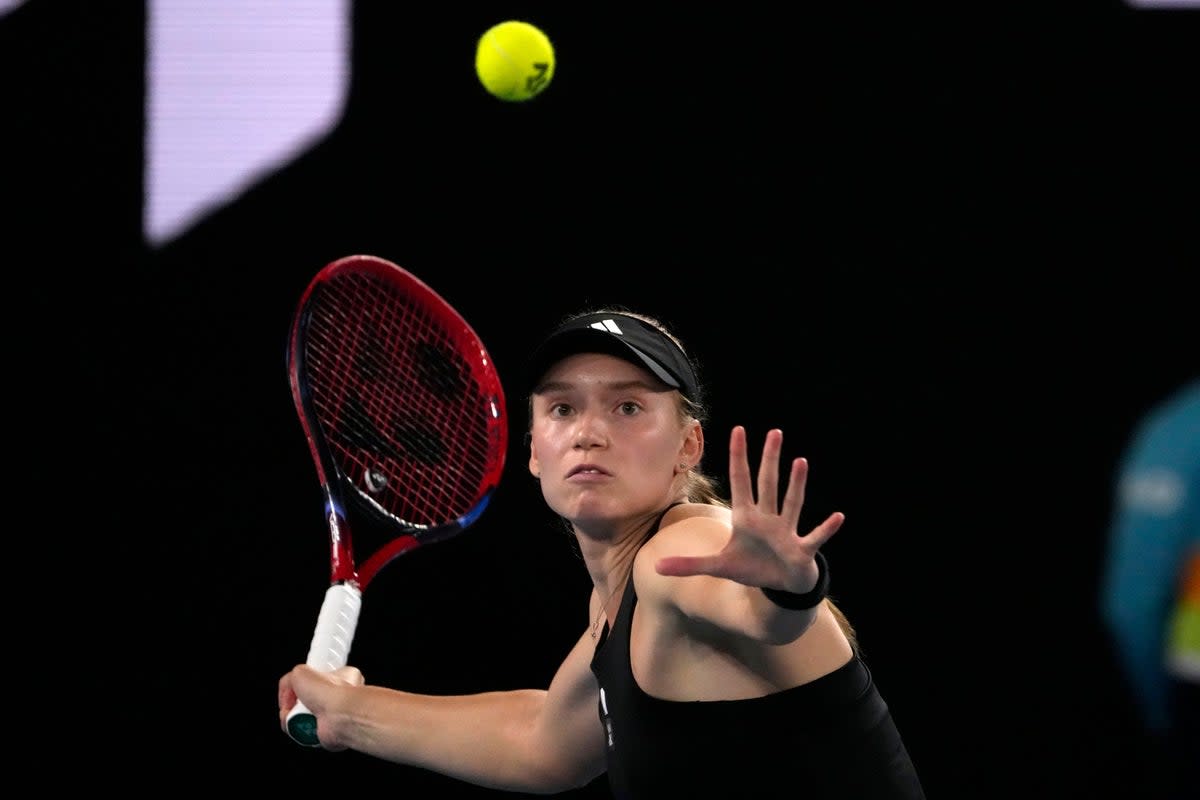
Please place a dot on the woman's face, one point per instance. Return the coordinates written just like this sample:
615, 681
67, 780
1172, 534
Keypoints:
606, 439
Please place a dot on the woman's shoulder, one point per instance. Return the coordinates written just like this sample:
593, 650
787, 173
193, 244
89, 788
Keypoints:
689, 511
688, 528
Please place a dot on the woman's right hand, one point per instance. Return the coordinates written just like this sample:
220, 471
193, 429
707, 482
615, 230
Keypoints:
320, 692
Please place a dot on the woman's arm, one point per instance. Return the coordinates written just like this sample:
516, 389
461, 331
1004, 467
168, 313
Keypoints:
537, 741
729, 605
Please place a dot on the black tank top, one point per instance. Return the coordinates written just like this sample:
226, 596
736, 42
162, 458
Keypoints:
830, 739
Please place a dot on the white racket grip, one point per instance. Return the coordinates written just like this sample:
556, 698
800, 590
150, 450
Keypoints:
329, 650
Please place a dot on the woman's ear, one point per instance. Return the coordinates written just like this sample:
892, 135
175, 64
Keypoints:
535, 469
692, 450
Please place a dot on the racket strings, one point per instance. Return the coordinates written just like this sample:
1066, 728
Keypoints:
400, 401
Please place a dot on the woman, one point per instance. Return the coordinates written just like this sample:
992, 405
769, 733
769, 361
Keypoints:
713, 661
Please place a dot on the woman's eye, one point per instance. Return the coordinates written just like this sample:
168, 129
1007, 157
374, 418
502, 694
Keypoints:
560, 410
629, 407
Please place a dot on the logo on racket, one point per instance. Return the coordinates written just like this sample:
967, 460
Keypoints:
375, 480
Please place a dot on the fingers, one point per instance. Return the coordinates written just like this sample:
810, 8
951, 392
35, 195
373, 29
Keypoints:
287, 699
350, 675
740, 493
683, 566
768, 471
825, 531
793, 500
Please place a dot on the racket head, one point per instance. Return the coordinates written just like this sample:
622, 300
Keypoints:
400, 401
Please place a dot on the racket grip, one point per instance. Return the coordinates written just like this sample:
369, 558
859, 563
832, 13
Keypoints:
329, 650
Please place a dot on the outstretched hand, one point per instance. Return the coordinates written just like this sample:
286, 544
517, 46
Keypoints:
764, 548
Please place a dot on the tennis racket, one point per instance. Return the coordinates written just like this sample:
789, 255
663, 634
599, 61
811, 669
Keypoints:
405, 418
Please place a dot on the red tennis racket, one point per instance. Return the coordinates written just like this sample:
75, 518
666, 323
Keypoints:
405, 418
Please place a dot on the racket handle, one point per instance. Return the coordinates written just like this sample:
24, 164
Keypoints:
329, 650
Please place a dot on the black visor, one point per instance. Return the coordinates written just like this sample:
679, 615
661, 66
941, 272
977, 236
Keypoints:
621, 336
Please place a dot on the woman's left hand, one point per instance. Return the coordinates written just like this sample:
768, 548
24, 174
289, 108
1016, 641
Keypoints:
764, 548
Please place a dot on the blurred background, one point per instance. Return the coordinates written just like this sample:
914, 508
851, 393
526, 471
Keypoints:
950, 251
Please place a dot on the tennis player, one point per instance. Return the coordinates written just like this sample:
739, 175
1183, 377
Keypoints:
711, 660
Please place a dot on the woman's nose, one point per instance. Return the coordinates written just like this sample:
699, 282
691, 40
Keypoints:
591, 432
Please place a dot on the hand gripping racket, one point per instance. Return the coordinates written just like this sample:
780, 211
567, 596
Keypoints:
405, 418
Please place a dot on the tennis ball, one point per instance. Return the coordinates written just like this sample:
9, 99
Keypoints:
514, 61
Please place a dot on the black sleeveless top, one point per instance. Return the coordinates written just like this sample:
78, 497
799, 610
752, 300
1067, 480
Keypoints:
830, 739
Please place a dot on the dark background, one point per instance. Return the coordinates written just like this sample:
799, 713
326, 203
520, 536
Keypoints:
951, 252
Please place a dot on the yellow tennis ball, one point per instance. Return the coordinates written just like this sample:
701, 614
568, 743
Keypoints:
514, 61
